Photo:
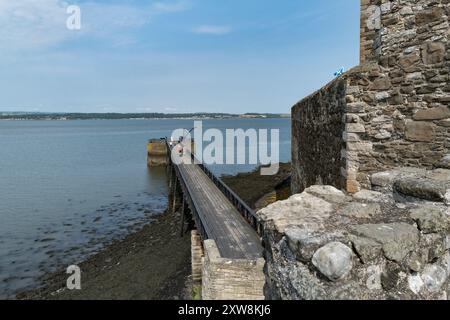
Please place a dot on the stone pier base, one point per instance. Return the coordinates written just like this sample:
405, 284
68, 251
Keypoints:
229, 279
157, 153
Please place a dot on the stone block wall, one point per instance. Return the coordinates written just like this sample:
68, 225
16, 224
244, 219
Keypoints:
397, 103
229, 279
388, 27
317, 138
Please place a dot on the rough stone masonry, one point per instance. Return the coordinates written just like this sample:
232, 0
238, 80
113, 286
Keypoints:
392, 243
370, 218
391, 111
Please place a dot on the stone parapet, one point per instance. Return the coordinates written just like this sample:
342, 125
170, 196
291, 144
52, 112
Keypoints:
230, 279
388, 244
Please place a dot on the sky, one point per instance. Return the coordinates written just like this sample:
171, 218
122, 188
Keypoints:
172, 56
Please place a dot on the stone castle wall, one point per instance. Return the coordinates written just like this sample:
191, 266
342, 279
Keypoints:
396, 104
317, 138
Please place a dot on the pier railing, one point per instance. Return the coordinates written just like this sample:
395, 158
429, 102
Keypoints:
248, 213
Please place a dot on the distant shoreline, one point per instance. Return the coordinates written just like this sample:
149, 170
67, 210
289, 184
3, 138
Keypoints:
17, 116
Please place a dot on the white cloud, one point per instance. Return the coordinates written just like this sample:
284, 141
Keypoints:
163, 7
212, 30
31, 23
28, 24
146, 109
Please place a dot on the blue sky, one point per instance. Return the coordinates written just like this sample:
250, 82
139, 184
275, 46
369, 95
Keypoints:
172, 56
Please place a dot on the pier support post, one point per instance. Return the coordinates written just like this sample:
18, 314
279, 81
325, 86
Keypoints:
174, 202
184, 209
196, 256
177, 196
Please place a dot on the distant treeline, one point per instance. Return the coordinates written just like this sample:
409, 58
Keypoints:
116, 116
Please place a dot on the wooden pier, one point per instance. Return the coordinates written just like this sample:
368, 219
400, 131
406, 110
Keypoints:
228, 257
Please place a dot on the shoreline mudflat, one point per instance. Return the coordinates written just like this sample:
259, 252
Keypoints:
150, 264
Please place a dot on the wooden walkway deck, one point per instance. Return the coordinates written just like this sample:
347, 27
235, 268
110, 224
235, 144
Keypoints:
223, 223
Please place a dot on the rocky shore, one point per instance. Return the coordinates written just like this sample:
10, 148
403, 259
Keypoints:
152, 263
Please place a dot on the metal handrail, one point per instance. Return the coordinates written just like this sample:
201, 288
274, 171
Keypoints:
238, 203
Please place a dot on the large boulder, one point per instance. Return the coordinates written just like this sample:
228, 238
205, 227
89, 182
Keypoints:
333, 260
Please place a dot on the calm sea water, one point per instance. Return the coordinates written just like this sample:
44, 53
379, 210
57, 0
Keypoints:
68, 188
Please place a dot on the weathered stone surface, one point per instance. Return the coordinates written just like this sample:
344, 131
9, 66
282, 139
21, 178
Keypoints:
432, 113
434, 277
353, 186
382, 95
416, 261
355, 128
444, 123
373, 281
327, 193
439, 175
431, 218
360, 210
433, 52
444, 162
350, 137
386, 179
383, 135
391, 276
359, 146
406, 11
381, 83
415, 283
357, 107
305, 243
302, 209
397, 239
333, 260
409, 62
434, 246
429, 16
368, 195
419, 131
426, 189
367, 249
414, 76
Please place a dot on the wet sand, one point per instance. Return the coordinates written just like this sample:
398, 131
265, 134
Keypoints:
152, 263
